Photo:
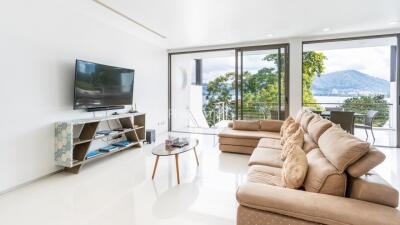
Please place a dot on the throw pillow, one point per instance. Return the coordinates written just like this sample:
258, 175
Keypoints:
291, 129
285, 149
296, 139
286, 123
294, 168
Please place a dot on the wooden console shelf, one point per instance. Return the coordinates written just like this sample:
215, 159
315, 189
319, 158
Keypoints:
75, 139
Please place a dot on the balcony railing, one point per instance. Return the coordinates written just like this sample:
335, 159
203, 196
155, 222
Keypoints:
384, 121
251, 111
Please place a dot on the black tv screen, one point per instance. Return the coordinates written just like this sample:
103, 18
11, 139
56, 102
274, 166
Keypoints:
98, 85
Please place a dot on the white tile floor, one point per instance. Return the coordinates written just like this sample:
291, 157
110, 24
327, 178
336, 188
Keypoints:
119, 190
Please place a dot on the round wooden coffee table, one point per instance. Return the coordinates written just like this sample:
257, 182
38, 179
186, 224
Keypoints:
161, 150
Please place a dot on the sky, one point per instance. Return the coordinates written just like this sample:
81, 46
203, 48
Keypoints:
213, 67
374, 61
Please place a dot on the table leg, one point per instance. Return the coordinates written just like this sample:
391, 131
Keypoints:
195, 154
177, 168
155, 167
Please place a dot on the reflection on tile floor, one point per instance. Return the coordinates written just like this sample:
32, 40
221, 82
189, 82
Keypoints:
119, 190
382, 137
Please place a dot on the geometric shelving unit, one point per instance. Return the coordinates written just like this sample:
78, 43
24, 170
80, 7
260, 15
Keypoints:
76, 138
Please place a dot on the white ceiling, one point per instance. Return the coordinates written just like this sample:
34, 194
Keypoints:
192, 23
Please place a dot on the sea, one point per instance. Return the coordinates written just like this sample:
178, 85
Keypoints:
337, 100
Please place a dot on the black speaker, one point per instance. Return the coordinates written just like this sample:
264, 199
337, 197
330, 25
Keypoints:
150, 136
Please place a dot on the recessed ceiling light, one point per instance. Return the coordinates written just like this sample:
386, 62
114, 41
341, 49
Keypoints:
326, 29
394, 22
270, 35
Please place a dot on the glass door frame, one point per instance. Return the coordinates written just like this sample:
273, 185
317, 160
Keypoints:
285, 46
239, 76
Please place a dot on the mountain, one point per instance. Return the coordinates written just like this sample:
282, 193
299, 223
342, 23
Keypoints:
349, 83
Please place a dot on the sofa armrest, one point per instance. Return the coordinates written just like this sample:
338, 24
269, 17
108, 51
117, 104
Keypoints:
315, 207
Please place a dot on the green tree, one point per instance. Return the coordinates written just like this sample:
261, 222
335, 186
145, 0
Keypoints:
219, 95
362, 104
260, 89
313, 65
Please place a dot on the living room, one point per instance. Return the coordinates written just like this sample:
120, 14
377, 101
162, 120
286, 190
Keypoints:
177, 112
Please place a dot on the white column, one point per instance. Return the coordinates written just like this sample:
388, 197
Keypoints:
295, 76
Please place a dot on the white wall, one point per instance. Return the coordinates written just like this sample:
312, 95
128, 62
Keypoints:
39, 42
181, 75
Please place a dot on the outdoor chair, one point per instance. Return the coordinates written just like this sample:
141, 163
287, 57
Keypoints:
368, 122
344, 119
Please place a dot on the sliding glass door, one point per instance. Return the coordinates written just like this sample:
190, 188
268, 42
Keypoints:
207, 89
262, 83
357, 75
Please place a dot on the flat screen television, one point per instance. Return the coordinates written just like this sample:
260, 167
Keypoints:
100, 87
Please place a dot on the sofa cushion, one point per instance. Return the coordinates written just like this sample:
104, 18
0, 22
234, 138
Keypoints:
291, 129
236, 149
317, 127
230, 133
253, 125
322, 176
270, 143
239, 141
294, 168
309, 143
305, 120
271, 125
286, 124
341, 148
372, 188
366, 163
265, 175
266, 157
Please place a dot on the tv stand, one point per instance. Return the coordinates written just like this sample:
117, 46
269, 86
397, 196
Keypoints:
74, 139
104, 108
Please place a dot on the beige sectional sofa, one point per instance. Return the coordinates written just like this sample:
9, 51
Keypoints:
339, 187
